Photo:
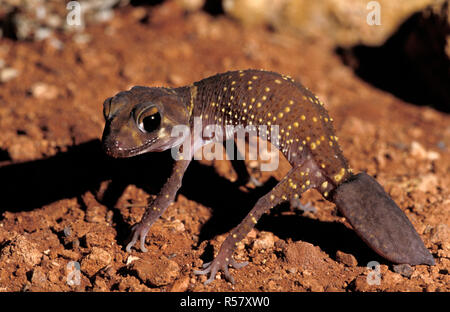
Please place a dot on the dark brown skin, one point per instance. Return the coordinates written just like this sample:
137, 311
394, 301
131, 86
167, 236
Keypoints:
141, 120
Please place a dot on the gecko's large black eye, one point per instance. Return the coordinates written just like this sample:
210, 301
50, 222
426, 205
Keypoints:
149, 120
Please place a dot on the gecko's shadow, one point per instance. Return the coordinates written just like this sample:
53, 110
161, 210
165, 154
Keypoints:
230, 205
30, 185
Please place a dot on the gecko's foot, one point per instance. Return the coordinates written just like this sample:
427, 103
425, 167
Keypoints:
220, 263
138, 231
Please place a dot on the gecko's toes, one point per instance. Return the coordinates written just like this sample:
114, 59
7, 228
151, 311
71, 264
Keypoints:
138, 231
214, 266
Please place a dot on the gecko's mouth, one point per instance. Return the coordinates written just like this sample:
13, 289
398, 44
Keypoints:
114, 149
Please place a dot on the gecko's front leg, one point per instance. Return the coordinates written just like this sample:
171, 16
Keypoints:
159, 205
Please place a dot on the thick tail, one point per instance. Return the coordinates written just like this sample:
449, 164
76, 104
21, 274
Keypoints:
379, 221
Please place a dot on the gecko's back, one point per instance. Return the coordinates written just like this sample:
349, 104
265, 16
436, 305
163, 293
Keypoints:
256, 97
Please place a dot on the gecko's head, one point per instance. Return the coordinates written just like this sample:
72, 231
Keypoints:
141, 120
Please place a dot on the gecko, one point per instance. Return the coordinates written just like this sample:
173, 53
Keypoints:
141, 120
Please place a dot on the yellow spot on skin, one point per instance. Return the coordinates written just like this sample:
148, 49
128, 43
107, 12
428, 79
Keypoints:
267, 89
314, 119
303, 117
232, 88
280, 115
264, 98
274, 118
318, 142
326, 119
322, 165
307, 182
313, 145
224, 88
278, 81
303, 186
325, 194
233, 82
300, 148
272, 197
255, 77
241, 74
244, 104
325, 184
322, 138
269, 123
231, 97
250, 107
304, 142
308, 138
291, 102
249, 82
296, 124
249, 87
287, 109
253, 100
269, 114
289, 127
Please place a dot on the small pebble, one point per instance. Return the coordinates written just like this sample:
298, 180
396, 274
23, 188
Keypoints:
403, 269
8, 74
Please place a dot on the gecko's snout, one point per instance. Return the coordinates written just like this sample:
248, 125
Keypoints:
379, 221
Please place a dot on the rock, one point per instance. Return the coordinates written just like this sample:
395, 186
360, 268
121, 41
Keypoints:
191, 5
305, 256
24, 149
253, 12
440, 234
347, 259
156, 273
41, 90
8, 73
265, 240
345, 22
38, 277
180, 285
417, 150
96, 260
21, 251
403, 269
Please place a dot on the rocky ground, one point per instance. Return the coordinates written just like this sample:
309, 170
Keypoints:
53, 170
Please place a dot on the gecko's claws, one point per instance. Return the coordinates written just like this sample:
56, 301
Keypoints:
214, 266
138, 231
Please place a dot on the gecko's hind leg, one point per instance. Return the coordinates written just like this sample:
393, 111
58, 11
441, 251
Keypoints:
298, 180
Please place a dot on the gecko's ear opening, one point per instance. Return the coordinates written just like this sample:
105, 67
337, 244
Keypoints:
379, 221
